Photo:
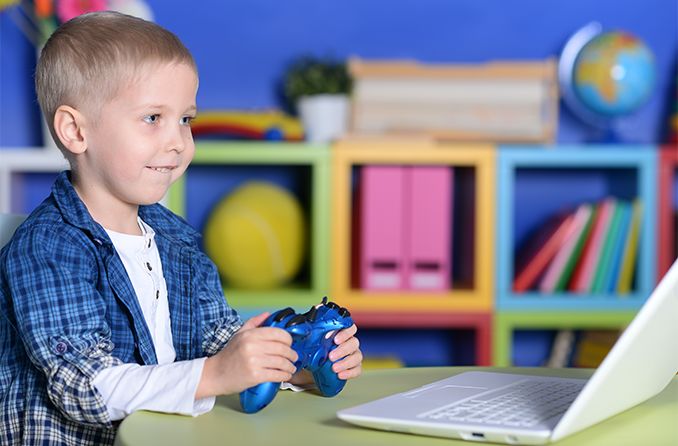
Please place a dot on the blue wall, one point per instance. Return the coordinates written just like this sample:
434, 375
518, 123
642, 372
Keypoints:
242, 46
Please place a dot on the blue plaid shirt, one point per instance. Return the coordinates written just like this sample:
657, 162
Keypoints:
68, 310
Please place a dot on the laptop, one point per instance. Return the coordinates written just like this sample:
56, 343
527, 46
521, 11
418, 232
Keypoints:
524, 409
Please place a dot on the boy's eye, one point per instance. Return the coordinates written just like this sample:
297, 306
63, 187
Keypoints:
151, 119
186, 120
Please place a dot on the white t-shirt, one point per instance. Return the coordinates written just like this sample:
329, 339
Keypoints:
169, 386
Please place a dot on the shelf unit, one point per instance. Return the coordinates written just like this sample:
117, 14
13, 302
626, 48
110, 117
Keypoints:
479, 322
505, 324
668, 193
513, 189
348, 155
227, 165
459, 308
599, 172
21, 170
573, 175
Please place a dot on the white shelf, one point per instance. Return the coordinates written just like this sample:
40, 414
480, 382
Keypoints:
30, 159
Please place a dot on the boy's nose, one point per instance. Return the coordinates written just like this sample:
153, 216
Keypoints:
176, 141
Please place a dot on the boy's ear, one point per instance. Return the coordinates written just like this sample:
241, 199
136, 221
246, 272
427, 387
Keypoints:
69, 128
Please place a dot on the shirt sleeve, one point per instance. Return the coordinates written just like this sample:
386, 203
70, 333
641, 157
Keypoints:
51, 274
219, 321
166, 388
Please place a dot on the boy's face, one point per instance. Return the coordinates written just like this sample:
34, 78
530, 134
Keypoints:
141, 142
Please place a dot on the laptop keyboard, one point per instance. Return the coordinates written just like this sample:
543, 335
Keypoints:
523, 404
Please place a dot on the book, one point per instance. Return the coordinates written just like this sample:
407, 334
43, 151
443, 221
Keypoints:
630, 250
604, 262
559, 263
561, 351
573, 260
584, 280
612, 273
593, 346
578, 268
535, 255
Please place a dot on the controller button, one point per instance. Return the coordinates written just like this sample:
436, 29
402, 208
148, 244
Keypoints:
311, 314
343, 312
282, 314
332, 305
296, 320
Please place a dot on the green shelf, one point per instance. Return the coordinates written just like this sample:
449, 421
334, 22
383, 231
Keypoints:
506, 322
316, 157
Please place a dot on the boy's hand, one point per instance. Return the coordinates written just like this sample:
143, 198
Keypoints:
349, 349
347, 368
254, 355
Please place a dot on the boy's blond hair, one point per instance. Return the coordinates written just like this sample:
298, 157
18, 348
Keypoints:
87, 59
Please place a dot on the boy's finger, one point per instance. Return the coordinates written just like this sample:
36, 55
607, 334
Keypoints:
352, 361
345, 349
345, 334
275, 334
255, 321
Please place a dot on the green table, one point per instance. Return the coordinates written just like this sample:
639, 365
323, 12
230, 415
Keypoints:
305, 418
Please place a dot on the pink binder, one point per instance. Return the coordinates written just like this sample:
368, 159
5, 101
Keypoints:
382, 227
429, 223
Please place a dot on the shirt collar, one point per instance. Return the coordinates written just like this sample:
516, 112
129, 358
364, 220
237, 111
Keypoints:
74, 212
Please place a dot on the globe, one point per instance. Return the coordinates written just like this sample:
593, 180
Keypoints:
605, 75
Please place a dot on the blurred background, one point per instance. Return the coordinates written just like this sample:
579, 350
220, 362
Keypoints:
503, 193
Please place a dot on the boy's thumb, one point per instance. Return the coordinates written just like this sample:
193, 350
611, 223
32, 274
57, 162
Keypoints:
255, 321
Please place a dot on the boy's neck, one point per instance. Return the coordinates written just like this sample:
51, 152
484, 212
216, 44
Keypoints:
111, 214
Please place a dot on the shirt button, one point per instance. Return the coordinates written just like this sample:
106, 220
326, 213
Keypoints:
148, 265
157, 294
61, 347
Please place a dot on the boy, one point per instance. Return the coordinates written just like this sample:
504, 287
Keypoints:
107, 306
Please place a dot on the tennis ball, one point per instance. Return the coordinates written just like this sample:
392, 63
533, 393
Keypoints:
255, 236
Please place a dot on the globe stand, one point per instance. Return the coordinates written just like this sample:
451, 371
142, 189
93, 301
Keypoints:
607, 135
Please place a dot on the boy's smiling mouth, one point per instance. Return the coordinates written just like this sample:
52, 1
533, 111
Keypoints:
162, 169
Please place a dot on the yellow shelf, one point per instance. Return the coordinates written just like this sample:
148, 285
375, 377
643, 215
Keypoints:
481, 157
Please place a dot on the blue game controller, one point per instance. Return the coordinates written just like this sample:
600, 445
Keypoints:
313, 339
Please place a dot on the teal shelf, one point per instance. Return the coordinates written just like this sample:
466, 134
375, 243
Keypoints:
580, 174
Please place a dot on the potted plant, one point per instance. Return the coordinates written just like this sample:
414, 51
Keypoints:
319, 89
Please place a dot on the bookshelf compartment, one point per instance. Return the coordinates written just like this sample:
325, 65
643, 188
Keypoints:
667, 248
26, 177
467, 335
475, 165
581, 348
535, 185
29, 189
461, 249
528, 336
403, 347
220, 168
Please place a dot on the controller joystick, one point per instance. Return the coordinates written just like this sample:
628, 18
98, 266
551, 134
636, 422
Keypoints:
313, 339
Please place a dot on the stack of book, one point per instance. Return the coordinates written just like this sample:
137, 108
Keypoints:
490, 102
592, 249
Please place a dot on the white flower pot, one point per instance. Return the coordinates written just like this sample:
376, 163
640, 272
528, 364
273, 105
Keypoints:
324, 116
